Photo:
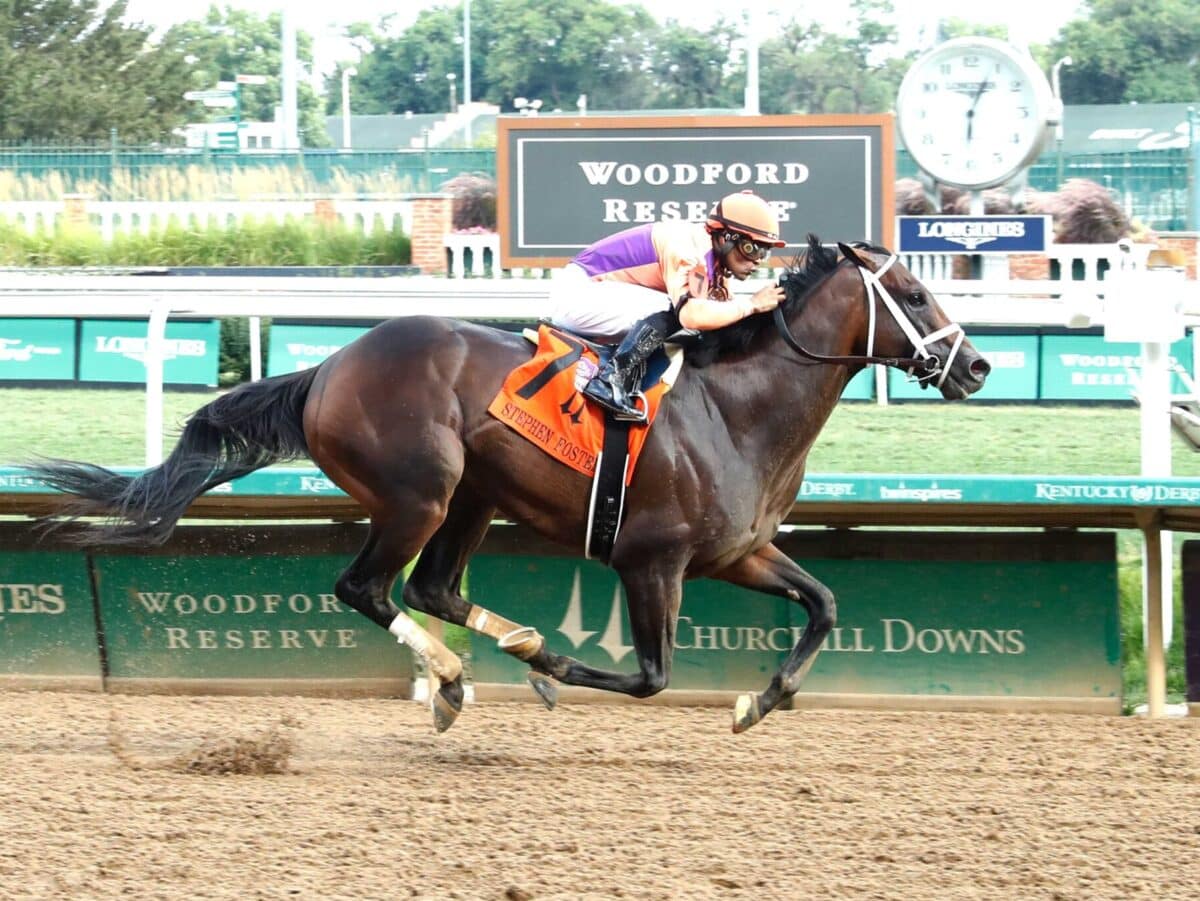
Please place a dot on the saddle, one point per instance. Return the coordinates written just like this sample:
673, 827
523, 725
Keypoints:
542, 401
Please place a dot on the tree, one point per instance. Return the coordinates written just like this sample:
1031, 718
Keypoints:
1132, 50
71, 71
408, 72
809, 70
954, 27
229, 42
556, 50
552, 50
694, 69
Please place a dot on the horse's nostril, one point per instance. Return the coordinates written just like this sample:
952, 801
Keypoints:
980, 368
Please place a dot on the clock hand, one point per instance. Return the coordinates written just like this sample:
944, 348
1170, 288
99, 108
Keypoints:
974, 102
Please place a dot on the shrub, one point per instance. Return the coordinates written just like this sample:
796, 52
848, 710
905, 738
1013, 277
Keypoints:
474, 201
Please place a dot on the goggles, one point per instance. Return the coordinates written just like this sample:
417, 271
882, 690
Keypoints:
751, 249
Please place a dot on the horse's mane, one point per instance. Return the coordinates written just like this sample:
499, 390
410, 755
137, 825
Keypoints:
806, 270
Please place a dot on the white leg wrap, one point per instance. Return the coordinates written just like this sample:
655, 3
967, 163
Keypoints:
441, 660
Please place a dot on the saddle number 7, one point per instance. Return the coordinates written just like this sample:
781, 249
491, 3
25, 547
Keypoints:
553, 368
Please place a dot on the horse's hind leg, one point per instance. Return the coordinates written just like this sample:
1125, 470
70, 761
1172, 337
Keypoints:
435, 584
366, 586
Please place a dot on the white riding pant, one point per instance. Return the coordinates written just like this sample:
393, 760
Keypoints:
601, 309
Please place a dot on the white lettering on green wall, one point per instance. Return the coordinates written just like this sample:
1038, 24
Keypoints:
31, 598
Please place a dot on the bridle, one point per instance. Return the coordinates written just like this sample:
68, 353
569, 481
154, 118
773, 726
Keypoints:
928, 364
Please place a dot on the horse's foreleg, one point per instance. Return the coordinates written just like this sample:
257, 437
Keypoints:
771, 571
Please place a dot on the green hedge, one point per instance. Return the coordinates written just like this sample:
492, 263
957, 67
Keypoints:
251, 243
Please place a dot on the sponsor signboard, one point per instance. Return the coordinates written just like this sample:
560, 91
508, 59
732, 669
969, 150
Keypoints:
1022, 490
565, 182
47, 620
114, 350
37, 349
1086, 367
1017, 616
972, 234
862, 386
1191, 621
851, 488
295, 347
1014, 374
256, 606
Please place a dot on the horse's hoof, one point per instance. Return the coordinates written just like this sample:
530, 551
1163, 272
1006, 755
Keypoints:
545, 689
746, 712
446, 704
524, 643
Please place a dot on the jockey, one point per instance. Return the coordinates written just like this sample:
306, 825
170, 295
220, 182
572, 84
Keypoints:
648, 281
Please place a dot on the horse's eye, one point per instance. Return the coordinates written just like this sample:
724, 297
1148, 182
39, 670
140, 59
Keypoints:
916, 299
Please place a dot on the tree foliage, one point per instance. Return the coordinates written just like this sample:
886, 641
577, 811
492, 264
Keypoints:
1132, 50
73, 70
228, 42
810, 70
622, 59
697, 69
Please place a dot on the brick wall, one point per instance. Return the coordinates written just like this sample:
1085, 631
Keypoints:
432, 221
1185, 241
1028, 265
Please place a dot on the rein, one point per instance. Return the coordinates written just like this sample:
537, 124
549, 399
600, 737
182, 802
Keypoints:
927, 363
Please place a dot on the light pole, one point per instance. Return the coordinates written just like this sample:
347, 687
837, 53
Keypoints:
451, 77
750, 106
1058, 126
467, 63
346, 76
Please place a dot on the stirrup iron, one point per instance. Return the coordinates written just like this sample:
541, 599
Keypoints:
639, 414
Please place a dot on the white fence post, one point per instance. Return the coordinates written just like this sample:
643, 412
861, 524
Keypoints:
153, 355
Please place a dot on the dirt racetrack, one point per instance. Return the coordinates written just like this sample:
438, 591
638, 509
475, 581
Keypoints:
107, 796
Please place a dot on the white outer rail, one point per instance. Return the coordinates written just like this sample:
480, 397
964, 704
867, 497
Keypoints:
1017, 302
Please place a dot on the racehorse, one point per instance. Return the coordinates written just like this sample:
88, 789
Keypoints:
398, 419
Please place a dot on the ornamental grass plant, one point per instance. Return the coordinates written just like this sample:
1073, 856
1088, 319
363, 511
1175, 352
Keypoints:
205, 182
249, 243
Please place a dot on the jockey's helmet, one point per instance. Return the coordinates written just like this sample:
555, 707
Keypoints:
747, 214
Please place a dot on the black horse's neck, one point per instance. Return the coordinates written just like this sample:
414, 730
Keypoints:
806, 272
773, 401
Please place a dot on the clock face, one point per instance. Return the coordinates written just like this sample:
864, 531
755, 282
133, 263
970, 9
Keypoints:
972, 112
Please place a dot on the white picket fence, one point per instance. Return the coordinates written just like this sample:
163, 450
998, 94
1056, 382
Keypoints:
114, 217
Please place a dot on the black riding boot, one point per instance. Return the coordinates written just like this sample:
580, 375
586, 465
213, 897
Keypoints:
613, 385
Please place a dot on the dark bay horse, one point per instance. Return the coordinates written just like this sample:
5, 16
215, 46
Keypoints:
399, 421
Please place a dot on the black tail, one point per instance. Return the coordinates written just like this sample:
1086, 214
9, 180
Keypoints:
252, 426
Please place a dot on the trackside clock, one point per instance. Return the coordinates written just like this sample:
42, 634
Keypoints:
973, 112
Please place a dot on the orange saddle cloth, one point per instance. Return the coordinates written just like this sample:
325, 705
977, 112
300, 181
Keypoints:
542, 400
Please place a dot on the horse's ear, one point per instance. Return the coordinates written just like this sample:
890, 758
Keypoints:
851, 254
